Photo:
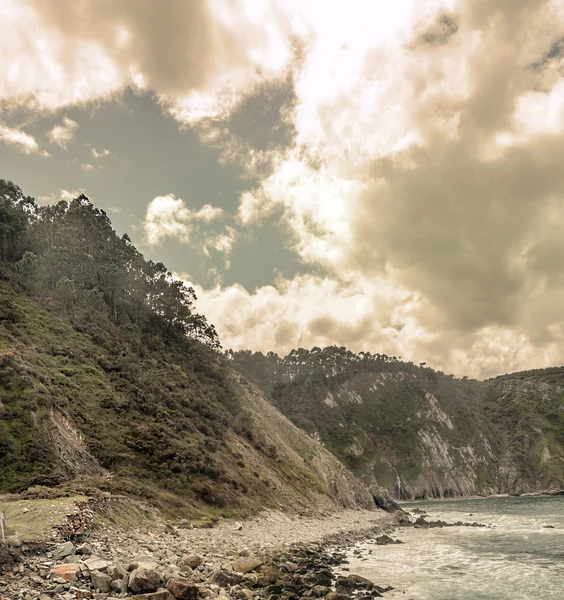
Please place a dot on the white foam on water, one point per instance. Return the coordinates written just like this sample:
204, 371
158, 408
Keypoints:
517, 559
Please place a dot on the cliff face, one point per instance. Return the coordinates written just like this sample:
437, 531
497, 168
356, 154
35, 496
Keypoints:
419, 433
85, 403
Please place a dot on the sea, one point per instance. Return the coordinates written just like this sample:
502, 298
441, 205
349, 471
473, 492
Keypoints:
520, 556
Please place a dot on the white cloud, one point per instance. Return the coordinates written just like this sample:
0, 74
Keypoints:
99, 154
169, 217
63, 134
20, 140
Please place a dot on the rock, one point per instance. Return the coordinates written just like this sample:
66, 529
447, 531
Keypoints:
383, 500
184, 524
360, 582
246, 564
336, 596
144, 580
549, 527
101, 581
192, 560
63, 551
116, 571
183, 589
238, 526
81, 594
160, 594
225, 578
68, 572
383, 540
94, 563
85, 549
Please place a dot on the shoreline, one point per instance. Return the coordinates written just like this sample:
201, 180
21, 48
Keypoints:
231, 560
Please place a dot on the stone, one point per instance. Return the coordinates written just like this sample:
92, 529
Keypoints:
116, 571
85, 549
183, 589
336, 596
144, 580
63, 551
383, 540
225, 578
68, 572
246, 564
82, 594
160, 594
192, 560
360, 582
95, 563
101, 581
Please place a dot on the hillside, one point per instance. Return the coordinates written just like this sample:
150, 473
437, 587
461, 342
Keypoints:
109, 380
418, 432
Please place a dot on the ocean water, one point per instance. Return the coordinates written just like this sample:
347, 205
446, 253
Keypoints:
516, 559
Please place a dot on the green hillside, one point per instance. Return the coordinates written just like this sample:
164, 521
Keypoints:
110, 380
418, 432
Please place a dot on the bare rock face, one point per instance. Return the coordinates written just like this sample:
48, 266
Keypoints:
183, 589
246, 564
144, 580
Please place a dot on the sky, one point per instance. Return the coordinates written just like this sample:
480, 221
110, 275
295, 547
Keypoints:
383, 176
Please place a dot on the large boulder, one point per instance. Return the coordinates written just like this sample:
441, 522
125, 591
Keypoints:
144, 580
63, 551
183, 589
101, 581
383, 499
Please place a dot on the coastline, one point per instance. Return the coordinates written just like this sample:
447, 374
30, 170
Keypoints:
231, 560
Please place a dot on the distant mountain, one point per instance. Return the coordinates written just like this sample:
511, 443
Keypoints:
109, 380
417, 432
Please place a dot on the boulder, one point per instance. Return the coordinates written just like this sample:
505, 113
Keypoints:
192, 560
225, 578
144, 580
246, 564
68, 572
63, 551
85, 549
360, 582
383, 500
101, 581
94, 563
183, 589
384, 540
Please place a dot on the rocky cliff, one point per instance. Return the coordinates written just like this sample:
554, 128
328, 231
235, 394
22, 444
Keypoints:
417, 432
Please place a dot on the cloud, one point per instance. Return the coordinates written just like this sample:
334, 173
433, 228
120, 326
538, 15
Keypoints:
63, 134
199, 58
425, 163
99, 154
169, 217
20, 140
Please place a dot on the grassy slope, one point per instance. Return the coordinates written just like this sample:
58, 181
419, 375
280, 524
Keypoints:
163, 419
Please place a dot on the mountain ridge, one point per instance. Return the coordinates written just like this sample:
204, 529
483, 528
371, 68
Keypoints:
417, 432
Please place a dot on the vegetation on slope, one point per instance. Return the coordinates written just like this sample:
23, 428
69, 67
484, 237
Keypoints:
109, 379
416, 431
